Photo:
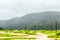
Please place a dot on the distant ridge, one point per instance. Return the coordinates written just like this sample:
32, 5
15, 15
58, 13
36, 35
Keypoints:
42, 18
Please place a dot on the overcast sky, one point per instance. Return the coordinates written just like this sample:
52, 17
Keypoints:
18, 8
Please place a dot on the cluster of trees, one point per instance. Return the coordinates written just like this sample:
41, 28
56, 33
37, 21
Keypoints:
1, 28
51, 26
48, 26
37, 27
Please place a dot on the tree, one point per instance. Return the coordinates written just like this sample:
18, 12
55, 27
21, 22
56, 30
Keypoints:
36, 27
1, 28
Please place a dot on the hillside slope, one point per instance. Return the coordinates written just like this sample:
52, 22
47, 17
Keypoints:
42, 18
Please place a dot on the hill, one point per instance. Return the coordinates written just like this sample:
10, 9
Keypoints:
33, 19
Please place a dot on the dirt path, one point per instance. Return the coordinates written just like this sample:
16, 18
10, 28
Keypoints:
12, 33
41, 36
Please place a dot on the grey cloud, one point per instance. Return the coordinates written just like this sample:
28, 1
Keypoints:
18, 8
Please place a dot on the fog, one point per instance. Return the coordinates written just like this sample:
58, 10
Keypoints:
19, 8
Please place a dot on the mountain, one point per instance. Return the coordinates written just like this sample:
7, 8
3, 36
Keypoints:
43, 18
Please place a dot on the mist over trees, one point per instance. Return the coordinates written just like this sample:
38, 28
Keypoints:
34, 21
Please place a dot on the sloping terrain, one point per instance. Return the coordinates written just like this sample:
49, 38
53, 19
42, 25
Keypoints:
27, 21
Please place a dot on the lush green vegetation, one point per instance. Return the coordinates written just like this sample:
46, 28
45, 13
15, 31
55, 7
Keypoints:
31, 32
50, 33
17, 39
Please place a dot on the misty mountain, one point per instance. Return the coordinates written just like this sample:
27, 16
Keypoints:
42, 18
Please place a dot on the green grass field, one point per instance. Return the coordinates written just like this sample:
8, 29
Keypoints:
8, 33
17, 39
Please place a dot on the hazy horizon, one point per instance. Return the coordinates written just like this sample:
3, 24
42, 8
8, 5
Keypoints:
19, 8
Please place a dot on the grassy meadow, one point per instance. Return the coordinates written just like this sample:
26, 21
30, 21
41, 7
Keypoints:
21, 34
